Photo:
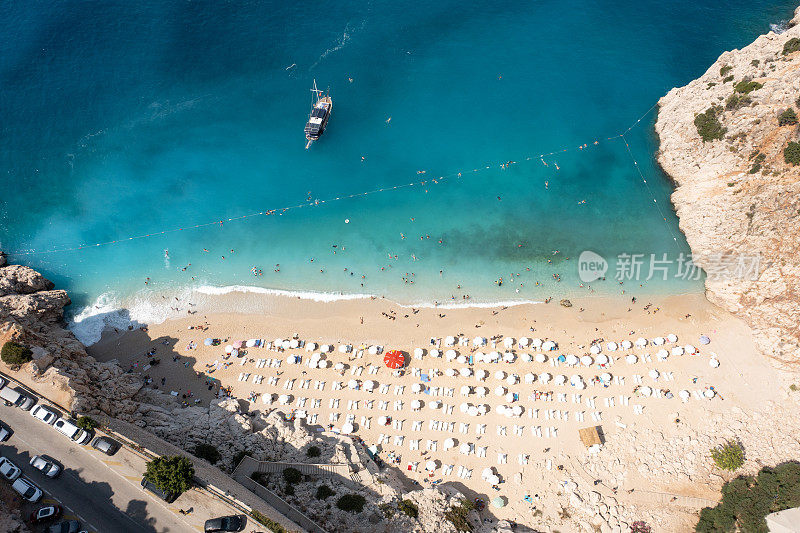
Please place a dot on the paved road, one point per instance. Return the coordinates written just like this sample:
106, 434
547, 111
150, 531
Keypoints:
102, 492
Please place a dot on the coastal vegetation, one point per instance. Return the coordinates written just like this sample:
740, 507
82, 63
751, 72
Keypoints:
792, 45
458, 515
324, 492
729, 456
313, 451
747, 86
791, 154
208, 452
87, 423
727, 79
14, 354
170, 473
746, 500
736, 100
292, 476
708, 125
353, 503
758, 159
267, 522
408, 508
725, 69
787, 118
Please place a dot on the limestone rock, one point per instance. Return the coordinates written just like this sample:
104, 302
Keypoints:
18, 279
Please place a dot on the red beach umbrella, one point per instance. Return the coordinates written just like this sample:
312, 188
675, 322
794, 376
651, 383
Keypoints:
394, 359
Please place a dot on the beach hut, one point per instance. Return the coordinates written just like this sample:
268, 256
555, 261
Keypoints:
394, 359
591, 436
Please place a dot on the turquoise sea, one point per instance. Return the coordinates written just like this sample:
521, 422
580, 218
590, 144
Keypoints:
123, 119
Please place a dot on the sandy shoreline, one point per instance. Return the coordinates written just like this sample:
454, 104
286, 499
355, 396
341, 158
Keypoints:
367, 322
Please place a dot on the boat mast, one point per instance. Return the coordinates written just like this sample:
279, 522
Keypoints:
315, 91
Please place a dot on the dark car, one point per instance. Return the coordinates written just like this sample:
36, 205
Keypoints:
50, 512
105, 445
226, 523
67, 526
5, 432
166, 496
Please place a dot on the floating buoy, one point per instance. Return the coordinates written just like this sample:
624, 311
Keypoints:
347, 221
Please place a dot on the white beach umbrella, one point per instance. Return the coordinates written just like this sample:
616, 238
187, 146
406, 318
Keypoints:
311, 346
287, 344
626, 344
641, 342
654, 373
294, 344
500, 375
602, 359
501, 409
466, 390
708, 393
229, 348
541, 358
416, 387
482, 391
313, 363
646, 391
478, 341
463, 407
481, 374
251, 343
434, 404
283, 399
508, 342
677, 350
611, 346
482, 409
586, 360
572, 360
369, 384
353, 384
347, 428
465, 372
450, 372
465, 448
536, 343
500, 391
479, 357
493, 479
449, 443
416, 404
690, 349
524, 341
383, 420
494, 356
430, 466
672, 337
418, 353
339, 366
323, 364
487, 472
545, 377
560, 379
575, 378
606, 377
658, 341
472, 411
662, 354
548, 345
461, 360
580, 385
713, 363
325, 348
684, 395
631, 359
517, 410
512, 379
509, 357
435, 353
527, 357
510, 397
449, 340
595, 349
450, 354
344, 348
530, 377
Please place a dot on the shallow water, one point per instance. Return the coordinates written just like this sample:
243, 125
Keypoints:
122, 119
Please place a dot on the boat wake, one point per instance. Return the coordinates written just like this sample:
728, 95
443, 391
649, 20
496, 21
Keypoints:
347, 34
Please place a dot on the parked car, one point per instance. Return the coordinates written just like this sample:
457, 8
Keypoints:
49, 512
45, 465
67, 526
226, 523
45, 414
5, 432
3, 382
27, 490
9, 470
166, 496
68, 428
15, 397
105, 445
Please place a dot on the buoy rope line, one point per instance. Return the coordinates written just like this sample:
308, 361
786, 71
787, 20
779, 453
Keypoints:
281, 210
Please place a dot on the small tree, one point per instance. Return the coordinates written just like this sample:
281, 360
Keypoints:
170, 473
729, 456
791, 154
792, 45
458, 515
292, 475
324, 492
208, 452
87, 423
313, 451
409, 508
14, 354
708, 125
747, 86
787, 118
353, 503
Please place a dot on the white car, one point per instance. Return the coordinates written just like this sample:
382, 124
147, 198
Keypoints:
27, 490
9, 470
45, 465
45, 414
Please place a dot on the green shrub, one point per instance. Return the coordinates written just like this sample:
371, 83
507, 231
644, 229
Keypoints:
459, 515
791, 154
408, 508
792, 45
746, 500
387, 509
87, 423
324, 492
708, 124
747, 86
724, 70
292, 475
259, 477
787, 118
170, 473
353, 503
729, 456
208, 452
15, 354
755, 62
735, 101
313, 451
755, 169
710, 85
797, 102
269, 523
289, 490
727, 79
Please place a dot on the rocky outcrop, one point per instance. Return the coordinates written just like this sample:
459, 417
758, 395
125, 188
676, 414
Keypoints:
738, 200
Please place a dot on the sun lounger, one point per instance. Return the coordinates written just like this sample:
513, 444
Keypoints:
373, 369
398, 440
433, 425
637, 379
502, 458
301, 402
447, 409
370, 404
579, 416
638, 409
431, 445
242, 362
305, 383
624, 400
398, 405
383, 405
333, 417
398, 390
317, 403
413, 444
523, 458
398, 424
337, 385
312, 419
289, 385
447, 469
590, 402
463, 428
384, 389
518, 430
257, 379
501, 431
334, 403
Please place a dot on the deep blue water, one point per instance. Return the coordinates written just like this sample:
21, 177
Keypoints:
127, 118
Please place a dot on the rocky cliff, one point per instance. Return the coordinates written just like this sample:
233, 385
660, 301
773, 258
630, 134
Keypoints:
723, 139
